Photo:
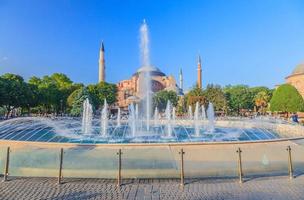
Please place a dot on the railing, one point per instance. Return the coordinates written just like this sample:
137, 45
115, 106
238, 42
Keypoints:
179, 160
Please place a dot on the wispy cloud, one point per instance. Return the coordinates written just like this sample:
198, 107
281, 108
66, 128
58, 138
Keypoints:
4, 58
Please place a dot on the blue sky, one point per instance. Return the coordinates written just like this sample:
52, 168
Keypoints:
256, 42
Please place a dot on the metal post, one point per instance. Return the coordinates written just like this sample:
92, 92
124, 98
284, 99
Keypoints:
60, 166
182, 175
240, 170
6, 164
119, 168
290, 168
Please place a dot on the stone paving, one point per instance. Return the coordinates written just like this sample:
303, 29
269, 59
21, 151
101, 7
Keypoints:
279, 187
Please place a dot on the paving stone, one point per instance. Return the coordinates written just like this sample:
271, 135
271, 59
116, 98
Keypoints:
277, 188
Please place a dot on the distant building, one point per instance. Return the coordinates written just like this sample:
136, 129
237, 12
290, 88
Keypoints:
130, 90
296, 78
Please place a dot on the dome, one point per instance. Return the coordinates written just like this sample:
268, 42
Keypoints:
154, 71
299, 69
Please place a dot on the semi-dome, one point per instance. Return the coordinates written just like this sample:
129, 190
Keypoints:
299, 69
154, 71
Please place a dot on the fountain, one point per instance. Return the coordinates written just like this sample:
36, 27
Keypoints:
196, 120
87, 115
168, 118
137, 128
203, 116
118, 117
210, 116
146, 80
156, 117
173, 115
104, 120
132, 120
190, 114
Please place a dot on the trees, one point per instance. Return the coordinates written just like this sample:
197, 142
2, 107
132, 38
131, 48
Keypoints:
14, 92
161, 98
239, 97
95, 93
215, 94
286, 98
101, 91
195, 95
261, 100
53, 91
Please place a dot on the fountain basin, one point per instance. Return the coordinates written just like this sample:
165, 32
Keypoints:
68, 130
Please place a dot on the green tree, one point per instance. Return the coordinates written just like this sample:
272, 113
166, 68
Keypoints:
14, 92
161, 98
238, 97
286, 98
215, 95
195, 95
261, 100
102, 91
77, 98
96, 94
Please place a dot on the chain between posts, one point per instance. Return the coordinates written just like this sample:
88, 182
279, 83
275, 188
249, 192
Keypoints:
290, 167
182, 174
240, 169
119, 153
6, 169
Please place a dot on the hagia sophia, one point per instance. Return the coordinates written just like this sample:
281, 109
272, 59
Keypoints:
296, 78
129, 90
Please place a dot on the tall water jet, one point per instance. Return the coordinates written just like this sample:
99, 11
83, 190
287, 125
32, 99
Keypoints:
156, 117
87, 115
132, 120
196, 120
210, 116
104, 119
173, 115
203, 113
168, 117
190, 114
145, 61
118, 118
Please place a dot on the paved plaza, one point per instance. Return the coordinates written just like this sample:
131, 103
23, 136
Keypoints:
279, 187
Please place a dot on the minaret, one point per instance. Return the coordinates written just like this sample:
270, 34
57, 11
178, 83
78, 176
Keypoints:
102, 67
181, 86
199, 72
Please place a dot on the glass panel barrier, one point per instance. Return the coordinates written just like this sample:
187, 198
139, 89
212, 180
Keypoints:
149, 162
2, 159
207, 160
154, 161
34, 161
90, 162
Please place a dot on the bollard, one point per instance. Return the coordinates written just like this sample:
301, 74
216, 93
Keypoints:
240, 170
60, 166
6, 164
119, 168
290, 168
182, 175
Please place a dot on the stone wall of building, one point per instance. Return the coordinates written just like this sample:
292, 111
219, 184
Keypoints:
297, 80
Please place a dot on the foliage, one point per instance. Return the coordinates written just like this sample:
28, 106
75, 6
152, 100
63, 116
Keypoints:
96, 95
238, 97
215, 95
14, 92
286, 98
79, 96
161, 98
195, 95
